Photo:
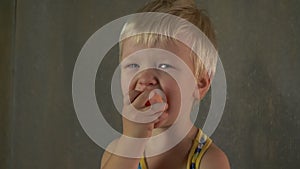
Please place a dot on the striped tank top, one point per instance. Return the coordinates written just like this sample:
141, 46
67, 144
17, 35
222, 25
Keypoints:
199, 147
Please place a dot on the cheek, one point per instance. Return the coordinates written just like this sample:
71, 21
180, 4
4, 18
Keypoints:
187, 82
125, 82
172, 92
128, 81
181, 91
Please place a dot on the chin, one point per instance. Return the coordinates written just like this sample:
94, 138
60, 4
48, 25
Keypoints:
169, 120
162, 124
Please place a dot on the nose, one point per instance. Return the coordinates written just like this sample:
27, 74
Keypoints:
146, 79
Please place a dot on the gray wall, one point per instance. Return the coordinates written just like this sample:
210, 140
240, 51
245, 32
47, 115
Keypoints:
6, 70
258, 44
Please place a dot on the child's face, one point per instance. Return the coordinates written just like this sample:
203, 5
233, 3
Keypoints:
166, 67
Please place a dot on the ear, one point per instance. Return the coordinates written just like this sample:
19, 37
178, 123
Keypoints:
203, 84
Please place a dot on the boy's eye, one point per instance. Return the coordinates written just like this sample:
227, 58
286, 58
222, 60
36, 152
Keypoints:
132, 66
164, 66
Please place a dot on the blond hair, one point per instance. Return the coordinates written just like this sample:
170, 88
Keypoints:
203, 44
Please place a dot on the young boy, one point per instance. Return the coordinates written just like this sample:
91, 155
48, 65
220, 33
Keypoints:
162, 76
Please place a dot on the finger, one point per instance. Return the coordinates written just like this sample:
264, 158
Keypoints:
146, 115
143, 118
156, 121
157, 107
160, 93
141, 99
155, 99
160, 119
131, 96
149, 97
156, 96
150, 118
163, 116
155, 114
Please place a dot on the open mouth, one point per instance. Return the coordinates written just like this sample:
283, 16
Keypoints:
156, 98
156, 95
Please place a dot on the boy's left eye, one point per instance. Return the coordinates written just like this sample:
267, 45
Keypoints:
164, 66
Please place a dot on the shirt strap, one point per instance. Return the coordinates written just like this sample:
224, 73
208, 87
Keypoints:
142, 163
199, 147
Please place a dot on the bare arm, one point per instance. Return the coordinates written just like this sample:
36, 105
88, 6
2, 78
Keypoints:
116, 162
127, 151
122, 146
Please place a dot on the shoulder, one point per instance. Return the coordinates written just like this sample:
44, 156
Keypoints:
214, 158
107, 153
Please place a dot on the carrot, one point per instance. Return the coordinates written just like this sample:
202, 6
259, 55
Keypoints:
157, 98
154, 99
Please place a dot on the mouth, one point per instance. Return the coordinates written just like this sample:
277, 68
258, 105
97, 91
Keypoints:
156, 98
156, 95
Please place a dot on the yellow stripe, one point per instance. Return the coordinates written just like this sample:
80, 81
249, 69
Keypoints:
192, 151
204, 148
191, 154
143, 163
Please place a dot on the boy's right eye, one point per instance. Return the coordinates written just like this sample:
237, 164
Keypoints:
132, 66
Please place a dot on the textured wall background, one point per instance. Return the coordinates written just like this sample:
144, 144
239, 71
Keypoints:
259, 48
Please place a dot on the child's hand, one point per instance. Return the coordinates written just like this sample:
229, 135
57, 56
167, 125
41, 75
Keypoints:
141, 113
